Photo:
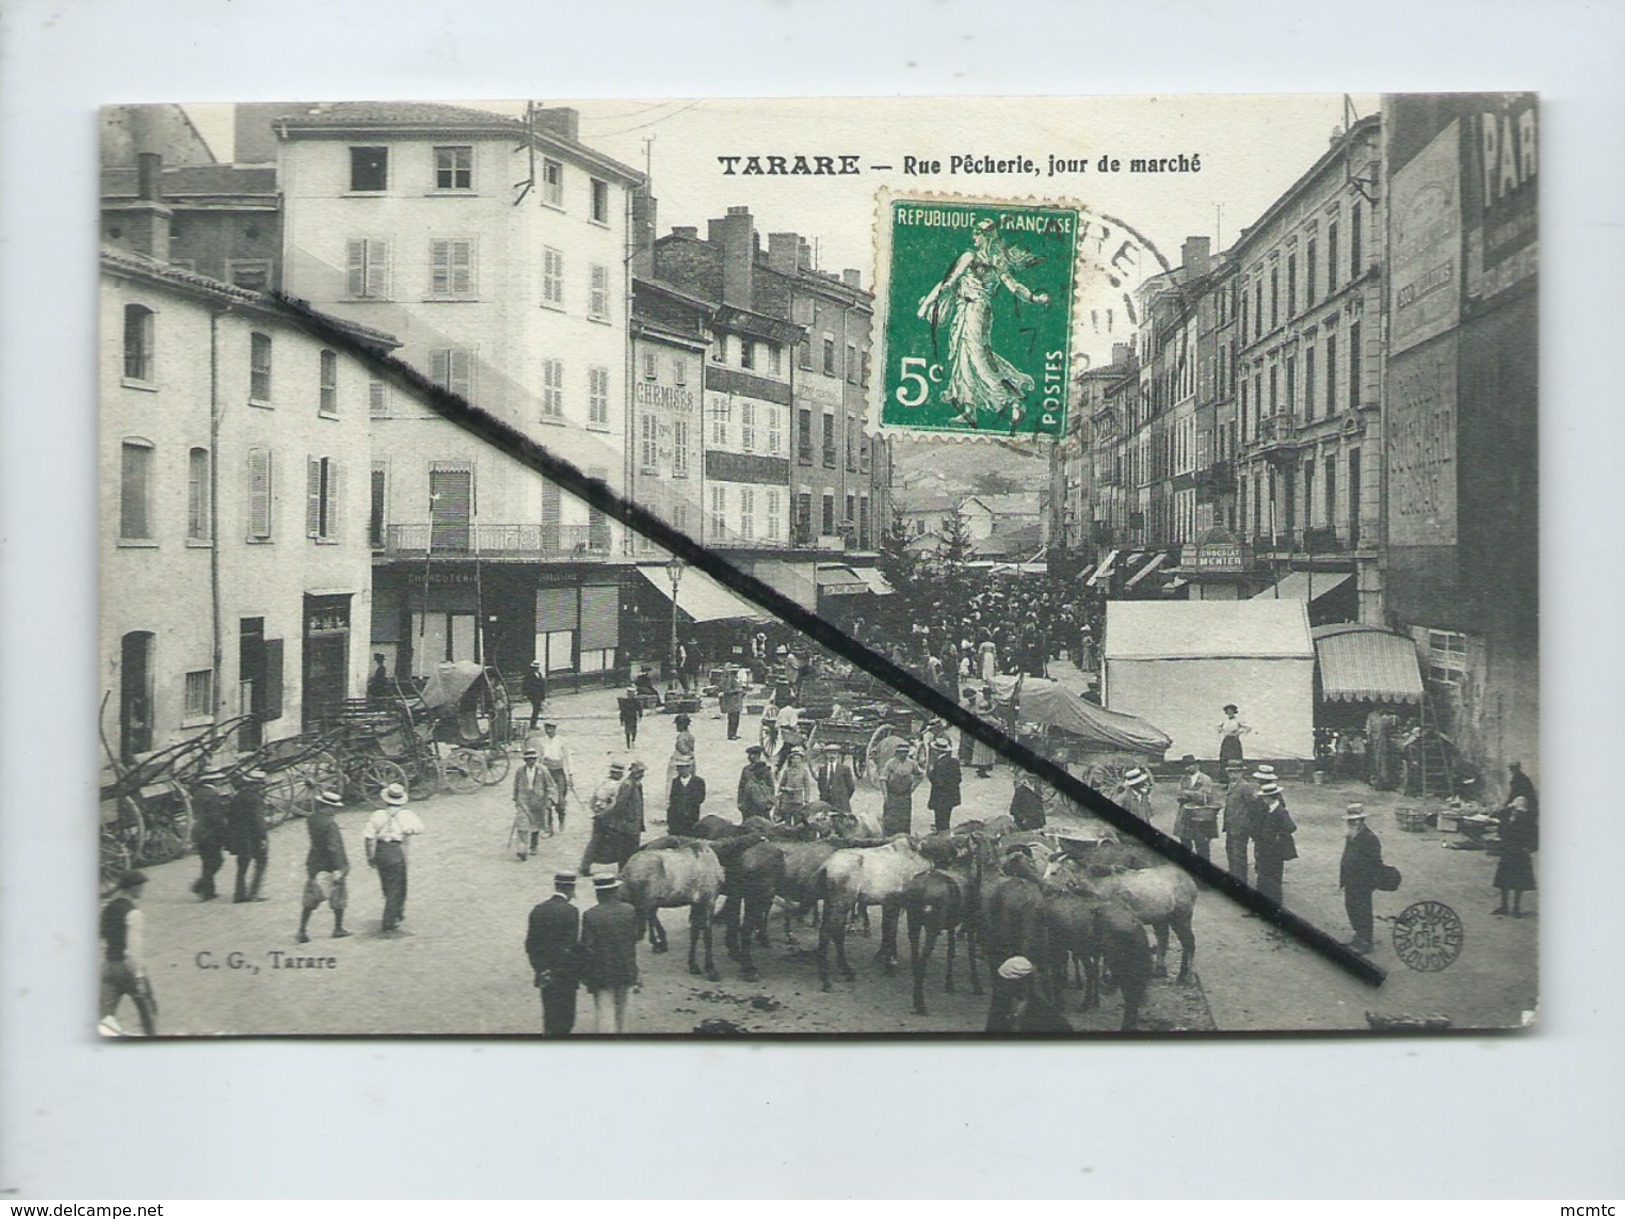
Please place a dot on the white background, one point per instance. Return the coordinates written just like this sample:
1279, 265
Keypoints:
1536, 1114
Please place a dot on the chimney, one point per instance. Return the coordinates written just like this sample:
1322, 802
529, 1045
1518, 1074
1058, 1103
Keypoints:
644, 207
852, 278
1122, 353
145, 222
735, 233
804, 254
783, 252
1194, 254
562, 121
685, 230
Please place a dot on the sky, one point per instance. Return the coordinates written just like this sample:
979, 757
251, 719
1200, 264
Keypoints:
1251, 147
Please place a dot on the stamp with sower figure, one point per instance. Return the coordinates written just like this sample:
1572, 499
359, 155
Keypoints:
976, 302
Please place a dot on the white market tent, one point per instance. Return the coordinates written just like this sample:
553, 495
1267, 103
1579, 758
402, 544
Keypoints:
1178, 663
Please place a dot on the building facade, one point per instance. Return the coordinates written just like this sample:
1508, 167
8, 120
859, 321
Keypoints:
497, 249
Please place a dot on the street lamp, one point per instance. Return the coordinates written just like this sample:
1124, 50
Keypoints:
674, 573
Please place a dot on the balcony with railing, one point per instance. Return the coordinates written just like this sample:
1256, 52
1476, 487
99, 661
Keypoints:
560, 542
1277, 435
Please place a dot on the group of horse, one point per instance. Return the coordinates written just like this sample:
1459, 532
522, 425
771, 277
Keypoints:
1078, 918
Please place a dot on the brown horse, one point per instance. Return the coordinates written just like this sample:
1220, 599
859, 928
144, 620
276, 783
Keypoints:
1015, 920
943, 899
1162, 897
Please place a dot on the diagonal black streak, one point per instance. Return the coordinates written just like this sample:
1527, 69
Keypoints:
601, 496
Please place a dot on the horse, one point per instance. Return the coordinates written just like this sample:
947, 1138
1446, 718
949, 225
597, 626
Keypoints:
943, 899
672, 872
753, 869
1162, 897
854, 876
1015, 920
1093, 932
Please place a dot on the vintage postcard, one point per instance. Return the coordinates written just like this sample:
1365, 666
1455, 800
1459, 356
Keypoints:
820, 567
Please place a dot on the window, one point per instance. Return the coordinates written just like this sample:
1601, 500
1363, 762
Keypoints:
552, 277
804, 516
1331, 493
648, 443
553, 183
1309, 273
199, 696
829, 439
135, 492
598, 292
679, 448
452, 369
454, 167
1292, 385
852, 443
1331, 374
804, 354
378, 399
322, 510
775, 431
1275, 297
1308, 383
679, 371
378, 509
850, 520
775, 524
747, 426
251, 273
1355, 242
259, 368
1258, 308
1291, 284
747, 512
598, 396
552, 389
1447, 657
829, 355
829, 513
679, 517
863, 451
600, 201
367, 267
649, 371
1354, 365
719, 349
259, 495
720, 410
1244, 311
328, 399
719, 511
369, 169
1275, 400
199, 527
863, 521
451, 268
775, 359
138, 339
1331, 257
747, 352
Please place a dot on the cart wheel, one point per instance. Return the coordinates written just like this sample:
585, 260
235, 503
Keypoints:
370, 778
463, 770
290, 792
130, 827
496, 767
169, 828
425, 779
1105, 775
115, 860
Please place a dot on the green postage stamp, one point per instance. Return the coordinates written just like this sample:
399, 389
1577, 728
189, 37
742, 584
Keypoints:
976, 334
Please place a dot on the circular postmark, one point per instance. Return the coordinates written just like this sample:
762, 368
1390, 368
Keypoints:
1428, 936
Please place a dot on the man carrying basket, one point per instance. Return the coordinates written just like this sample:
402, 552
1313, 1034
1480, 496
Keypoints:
1197, 822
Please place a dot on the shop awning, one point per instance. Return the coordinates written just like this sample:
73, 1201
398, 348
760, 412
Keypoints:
1304, 586
699, 596
835, 580
1157, 560
1365, 664
876, 580
1105, 569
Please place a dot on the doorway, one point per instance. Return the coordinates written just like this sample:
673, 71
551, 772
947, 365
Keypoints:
135, 694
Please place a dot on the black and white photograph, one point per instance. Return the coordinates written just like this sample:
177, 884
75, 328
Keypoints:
406, 731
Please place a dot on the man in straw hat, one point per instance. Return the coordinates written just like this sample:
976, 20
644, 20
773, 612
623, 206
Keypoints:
684, 800
386, 836
553, 945
1359, 874
1134, 792
609, 954
898, 779
1273, 844
124, 960
248, 834
796, 788
534, 794
326, 865
944, 777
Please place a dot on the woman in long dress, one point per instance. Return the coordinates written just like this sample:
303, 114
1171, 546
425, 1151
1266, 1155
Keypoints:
982, 757
979, 379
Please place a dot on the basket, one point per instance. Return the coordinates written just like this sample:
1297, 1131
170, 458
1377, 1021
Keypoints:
1411, 820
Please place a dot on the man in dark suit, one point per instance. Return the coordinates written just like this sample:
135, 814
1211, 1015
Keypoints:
609, 953
684, 800
836, 782
1240, 803
944, 777
248, 835
553, 944
1358, 875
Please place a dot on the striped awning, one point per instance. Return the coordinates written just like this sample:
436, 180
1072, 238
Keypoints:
1363, 664
1157, 561
699, 596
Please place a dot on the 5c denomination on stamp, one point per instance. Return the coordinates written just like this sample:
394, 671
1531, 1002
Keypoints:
976, 305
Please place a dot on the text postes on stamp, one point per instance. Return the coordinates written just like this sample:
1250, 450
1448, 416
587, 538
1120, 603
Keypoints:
977, 316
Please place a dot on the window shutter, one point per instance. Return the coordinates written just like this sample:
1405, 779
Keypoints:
440, 368
356, 265
378, 400
462, 373
259, 494
335, 501
440, 267
273, 680
378, 269
462, 268
313, 497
